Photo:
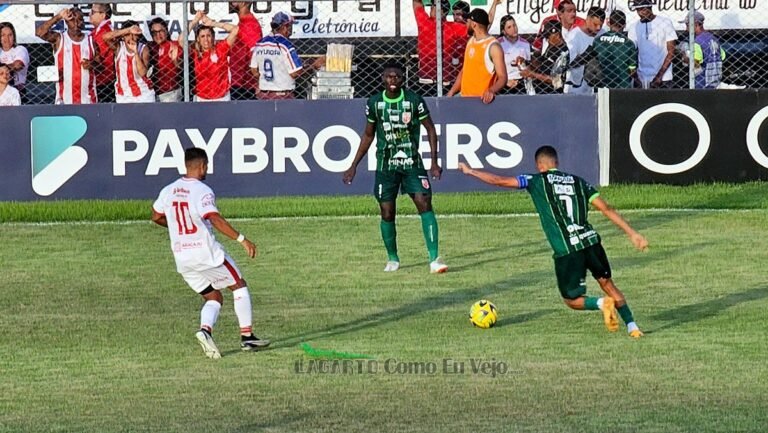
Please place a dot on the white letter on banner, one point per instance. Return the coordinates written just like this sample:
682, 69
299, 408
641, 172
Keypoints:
249, 142
469, 149
280, 152
211, 146
166, 139
424, 146
637, 130
121, 155
322, 138
753, 143
496, 141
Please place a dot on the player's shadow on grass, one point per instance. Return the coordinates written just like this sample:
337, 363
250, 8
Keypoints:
524, 317
706, 309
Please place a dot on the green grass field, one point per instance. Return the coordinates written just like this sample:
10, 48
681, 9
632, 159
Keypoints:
97, 327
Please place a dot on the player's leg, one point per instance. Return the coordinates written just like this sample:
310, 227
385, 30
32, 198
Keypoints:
209, 312
571, 271
385, 191
229, 276
598, 264
416, 184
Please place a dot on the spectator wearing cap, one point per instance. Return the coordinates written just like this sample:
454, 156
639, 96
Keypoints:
275, 61
101, 19
708, 55
454, 38
165, 58
517, 51
210, 58
484, 73
566, 16
244, 84
581, 39
655, 38
9, 96
616, 54
548, 70
15, 56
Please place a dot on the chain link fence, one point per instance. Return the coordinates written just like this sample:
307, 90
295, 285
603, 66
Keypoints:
728, 47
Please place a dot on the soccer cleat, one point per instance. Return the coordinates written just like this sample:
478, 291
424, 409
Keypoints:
438, 266
206, 342
252, 342
636, 334
610, 317
392, 266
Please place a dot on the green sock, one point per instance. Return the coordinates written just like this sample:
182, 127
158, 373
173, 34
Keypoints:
389, 235
625, 313
590, 303
429, 227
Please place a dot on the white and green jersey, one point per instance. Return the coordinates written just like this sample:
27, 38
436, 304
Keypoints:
398, 129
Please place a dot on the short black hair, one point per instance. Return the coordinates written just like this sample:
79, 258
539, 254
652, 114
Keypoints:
159, 20
617, 18
597, 12
462, 7
392, 64
195, 153
561, 6
546, 152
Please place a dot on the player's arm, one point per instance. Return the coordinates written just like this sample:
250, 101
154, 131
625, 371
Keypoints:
159, 218
637, 239
365, 143
45, 33
223, 226
490, 178
500, 68
435, 170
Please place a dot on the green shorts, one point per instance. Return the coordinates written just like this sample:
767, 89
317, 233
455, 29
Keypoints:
389, 182
571, 270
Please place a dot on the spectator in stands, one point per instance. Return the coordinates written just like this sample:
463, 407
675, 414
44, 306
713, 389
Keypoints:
9, 96
581, 39
210, 58
74, 54
244, 84
708, 56
454, 37
566, 15
15, 56
655, 38
132, 57
517, 51
100, 17
165, 58
616, 55
548, 70
484, 73
276, 63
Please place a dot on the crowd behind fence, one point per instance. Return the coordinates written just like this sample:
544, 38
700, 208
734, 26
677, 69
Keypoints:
275, 49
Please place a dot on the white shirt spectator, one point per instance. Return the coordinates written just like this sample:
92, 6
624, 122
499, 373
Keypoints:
276, 59
513, 50
10, 97
16, 53
578, 43
651, 39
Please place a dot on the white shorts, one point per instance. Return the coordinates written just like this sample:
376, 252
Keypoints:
220, 277
222, 99
130, 99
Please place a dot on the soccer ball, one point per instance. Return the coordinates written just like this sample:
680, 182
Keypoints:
483, 314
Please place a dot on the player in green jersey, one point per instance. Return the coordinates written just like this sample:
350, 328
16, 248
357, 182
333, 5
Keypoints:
395, 117
562, 202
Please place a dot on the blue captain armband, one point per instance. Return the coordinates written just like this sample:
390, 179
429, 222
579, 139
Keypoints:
522, 181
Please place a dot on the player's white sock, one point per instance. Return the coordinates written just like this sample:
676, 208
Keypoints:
243, 309
632, 326
208, 314
600, 303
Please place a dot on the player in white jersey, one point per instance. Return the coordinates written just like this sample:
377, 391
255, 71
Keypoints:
75, 55
188, 208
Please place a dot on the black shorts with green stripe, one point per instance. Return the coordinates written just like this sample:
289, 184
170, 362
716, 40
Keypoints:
406, 181
571, 270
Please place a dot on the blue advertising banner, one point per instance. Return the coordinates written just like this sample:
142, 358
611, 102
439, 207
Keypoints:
269, 148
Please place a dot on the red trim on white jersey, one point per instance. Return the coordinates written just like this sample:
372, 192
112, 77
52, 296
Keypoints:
128, 81
232, 271
76, 85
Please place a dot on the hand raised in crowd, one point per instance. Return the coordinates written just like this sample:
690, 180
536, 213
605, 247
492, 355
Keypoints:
65, 14
173, 52
206, 21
